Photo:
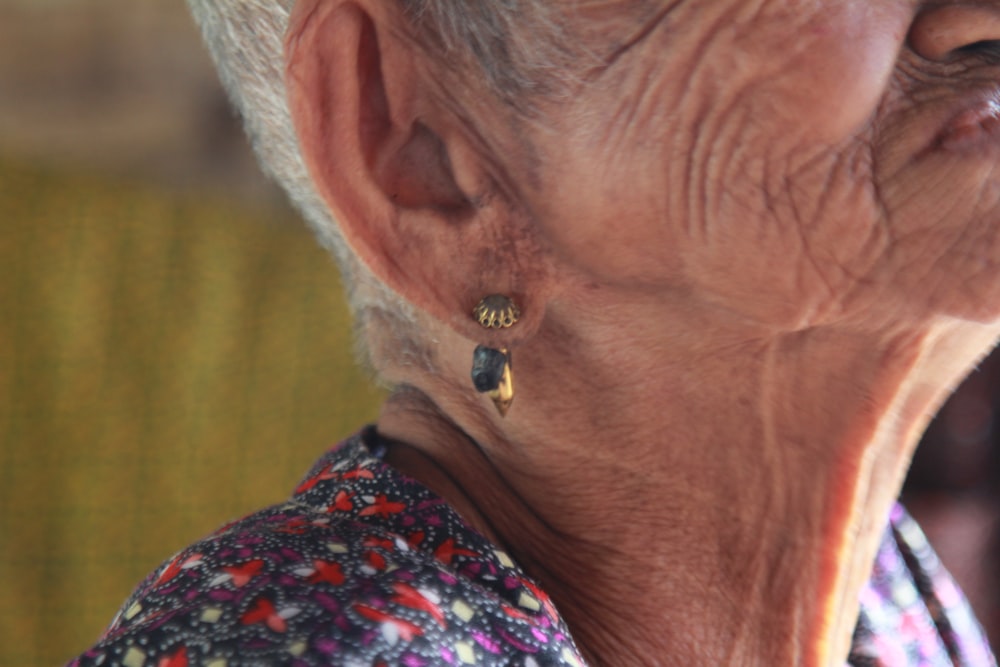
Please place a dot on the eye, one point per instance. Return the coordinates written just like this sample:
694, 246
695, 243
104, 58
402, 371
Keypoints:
987, 50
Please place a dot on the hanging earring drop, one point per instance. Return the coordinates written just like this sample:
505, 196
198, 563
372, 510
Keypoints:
491, 375
491, 368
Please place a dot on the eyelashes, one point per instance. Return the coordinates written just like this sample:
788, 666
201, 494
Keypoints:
986, 51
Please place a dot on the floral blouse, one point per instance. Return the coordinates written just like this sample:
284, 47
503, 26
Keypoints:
365, 566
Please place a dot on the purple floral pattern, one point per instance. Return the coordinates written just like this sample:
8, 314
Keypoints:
912, 613
364, 566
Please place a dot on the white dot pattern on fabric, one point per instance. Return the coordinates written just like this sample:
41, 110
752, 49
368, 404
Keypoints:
365, 566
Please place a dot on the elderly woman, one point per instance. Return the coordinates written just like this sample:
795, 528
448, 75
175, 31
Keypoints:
737, 252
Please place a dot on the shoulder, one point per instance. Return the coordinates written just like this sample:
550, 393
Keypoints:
293, 585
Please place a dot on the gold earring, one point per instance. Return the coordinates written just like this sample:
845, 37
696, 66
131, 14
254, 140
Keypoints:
496, 312
491, 368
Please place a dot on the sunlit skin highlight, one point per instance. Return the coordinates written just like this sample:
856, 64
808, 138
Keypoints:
749, 271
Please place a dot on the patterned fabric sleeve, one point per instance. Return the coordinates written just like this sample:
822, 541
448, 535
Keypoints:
364, 566
912, 613
359, 568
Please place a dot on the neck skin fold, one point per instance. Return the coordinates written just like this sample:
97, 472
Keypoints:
717, 499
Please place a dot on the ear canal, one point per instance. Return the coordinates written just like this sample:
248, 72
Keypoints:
407, 159
419, 175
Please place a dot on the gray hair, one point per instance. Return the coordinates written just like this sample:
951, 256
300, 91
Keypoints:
246, 40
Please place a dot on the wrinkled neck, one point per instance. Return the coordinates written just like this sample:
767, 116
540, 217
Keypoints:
698, 503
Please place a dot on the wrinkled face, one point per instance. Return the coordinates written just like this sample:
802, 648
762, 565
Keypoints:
797, 161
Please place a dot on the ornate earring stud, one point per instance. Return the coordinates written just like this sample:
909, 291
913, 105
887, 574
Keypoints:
491, 368
496, 312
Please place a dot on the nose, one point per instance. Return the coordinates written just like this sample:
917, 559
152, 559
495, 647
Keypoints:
938, 33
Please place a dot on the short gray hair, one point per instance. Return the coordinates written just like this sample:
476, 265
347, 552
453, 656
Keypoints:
515, 42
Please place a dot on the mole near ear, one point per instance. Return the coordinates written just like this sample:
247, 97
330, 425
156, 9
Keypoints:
418, 175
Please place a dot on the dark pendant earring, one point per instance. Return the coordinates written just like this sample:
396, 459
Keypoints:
491, 368
492, 375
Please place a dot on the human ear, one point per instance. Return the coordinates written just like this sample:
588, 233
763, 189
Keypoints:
414, 191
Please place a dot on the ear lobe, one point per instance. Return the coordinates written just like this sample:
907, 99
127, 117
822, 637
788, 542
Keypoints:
379, 148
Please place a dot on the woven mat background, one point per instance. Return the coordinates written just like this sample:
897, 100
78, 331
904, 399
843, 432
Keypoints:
166, 365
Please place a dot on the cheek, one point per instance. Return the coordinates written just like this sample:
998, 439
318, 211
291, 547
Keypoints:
610, 221
788, 251
826, 75
945, 216
637, 199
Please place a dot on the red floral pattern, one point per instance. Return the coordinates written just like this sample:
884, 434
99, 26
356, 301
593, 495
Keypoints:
364, 566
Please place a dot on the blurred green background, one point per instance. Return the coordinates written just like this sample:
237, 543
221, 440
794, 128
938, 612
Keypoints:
174, 348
